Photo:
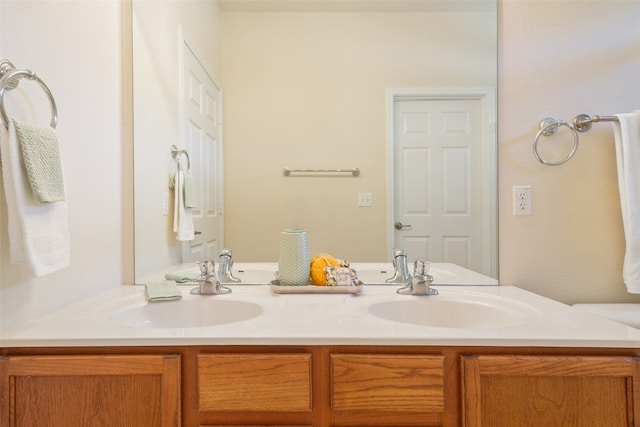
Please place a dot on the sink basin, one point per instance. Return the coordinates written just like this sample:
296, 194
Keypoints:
193, 313
445, 313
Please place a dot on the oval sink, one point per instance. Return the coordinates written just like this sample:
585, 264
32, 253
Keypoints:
431, 311
203, 311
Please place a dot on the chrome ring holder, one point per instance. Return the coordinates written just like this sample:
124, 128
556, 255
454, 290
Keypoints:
549, 127
9, 79
177, 154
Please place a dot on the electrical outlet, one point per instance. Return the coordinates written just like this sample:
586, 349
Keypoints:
364, 200
522, 200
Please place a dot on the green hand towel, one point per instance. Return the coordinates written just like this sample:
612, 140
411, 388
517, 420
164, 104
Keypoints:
167, 290
189, 194
41, 157
183, 276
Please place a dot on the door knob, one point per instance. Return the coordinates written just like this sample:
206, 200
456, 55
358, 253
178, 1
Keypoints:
197, 232
399, 226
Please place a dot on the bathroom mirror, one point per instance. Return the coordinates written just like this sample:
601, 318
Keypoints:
307, 84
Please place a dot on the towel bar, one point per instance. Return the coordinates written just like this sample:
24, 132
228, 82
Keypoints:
288, 172
9, 79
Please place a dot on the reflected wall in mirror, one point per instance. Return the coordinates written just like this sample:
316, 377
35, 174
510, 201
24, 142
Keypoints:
306, 86
160, 29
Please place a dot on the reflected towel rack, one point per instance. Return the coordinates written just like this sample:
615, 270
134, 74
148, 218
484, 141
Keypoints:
288, 172
580, 123
9, 79
177, 154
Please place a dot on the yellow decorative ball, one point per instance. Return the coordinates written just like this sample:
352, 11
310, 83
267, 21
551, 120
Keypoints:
319, 263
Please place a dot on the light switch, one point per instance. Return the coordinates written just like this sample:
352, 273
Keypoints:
364, 200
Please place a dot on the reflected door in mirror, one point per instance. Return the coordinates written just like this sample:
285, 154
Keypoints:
202, 127
438, 180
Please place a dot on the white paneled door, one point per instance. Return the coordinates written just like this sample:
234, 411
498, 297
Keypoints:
438, 182
201, 97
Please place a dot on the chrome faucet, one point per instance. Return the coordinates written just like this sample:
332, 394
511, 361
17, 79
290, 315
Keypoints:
224, 269
420, 284
208, 284
401, 274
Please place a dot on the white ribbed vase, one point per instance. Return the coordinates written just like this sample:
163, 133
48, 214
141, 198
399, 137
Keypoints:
293, 261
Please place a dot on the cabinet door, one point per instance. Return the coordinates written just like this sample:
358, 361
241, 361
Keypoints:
136, 391
550, 391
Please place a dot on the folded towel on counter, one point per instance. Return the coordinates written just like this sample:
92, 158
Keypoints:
38, 232
627, 140
183, 276
41, 157
167, 290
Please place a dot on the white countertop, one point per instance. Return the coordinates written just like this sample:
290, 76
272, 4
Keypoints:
310, 319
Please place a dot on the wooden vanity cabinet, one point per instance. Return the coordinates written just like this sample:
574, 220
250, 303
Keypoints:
516, 390
319, 386
90, 390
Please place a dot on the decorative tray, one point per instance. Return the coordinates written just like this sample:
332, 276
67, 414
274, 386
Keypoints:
277, 288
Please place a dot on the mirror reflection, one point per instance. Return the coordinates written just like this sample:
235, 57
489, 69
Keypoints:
403, 91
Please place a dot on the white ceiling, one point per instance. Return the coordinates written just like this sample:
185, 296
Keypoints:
357, 5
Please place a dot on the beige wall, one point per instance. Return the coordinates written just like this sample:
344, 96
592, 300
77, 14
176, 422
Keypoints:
76, 47
556, 59
559, 59
308, 91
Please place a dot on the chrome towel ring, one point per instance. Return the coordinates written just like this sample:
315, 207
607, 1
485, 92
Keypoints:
177, 154
580, 123
9, 80
549, 127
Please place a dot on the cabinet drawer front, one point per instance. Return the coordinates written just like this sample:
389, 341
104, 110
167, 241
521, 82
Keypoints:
254, 382
387, 383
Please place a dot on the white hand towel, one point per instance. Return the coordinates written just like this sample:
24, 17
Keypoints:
182, 217
38, 232
627, 140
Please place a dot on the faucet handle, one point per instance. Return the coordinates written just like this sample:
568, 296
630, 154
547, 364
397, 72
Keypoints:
421, 267
420, 284
207, 268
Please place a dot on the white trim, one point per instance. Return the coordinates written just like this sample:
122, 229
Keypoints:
487, 96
